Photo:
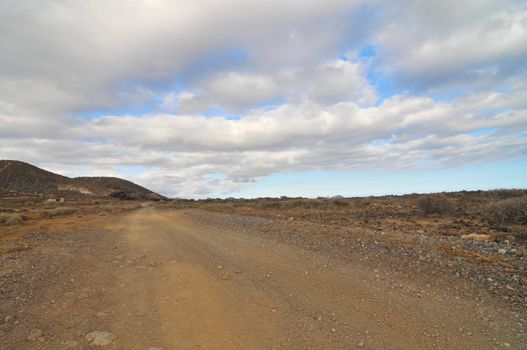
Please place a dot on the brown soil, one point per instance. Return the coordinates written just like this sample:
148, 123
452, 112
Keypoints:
194, 279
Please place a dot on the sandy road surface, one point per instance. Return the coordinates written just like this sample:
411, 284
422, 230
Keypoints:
167, 279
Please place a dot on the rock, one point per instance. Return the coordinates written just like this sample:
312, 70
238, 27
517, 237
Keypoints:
100, 338
360, 344
35, 334
502, 251
70, 344
156, 348
8, 318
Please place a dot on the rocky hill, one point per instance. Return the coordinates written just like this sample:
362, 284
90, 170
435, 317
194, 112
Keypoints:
23, 179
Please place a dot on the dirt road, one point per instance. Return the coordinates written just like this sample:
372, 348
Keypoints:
173, 280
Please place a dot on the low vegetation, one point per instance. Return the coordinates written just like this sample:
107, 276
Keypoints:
60, 211
435, 204
9, 219
510, 211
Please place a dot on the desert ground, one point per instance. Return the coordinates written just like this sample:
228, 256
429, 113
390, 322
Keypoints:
411, 272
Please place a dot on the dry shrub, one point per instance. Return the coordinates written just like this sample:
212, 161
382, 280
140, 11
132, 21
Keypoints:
270, 205
505, 194
339, 203
511, 211
327, 204
11, 219
57, 212
435, 204
44, 214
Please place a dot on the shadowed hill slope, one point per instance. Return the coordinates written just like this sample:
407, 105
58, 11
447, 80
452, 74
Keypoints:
19, 178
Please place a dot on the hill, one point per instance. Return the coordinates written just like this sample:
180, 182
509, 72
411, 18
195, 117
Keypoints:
23, 179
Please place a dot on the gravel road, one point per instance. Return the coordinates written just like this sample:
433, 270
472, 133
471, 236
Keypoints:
191, 279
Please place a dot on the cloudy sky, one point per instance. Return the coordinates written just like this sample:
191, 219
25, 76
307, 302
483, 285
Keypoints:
265, 98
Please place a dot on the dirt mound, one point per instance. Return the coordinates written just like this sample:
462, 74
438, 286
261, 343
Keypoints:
116, 187
23, 179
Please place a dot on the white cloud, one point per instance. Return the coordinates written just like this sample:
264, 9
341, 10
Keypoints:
328, 83
62, 60
183, 153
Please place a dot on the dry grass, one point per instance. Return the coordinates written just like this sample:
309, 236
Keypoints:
472, 255
9, 219
51, 213
13, 248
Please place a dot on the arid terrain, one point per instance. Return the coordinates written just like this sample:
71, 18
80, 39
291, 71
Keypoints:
442, 271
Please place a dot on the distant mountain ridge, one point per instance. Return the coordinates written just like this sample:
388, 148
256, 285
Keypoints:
22, 179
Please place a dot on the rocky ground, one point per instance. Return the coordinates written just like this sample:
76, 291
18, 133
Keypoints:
496, 268
189, 279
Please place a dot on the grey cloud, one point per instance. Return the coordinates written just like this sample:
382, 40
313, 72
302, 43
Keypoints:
327, 83
59, 59
438, 45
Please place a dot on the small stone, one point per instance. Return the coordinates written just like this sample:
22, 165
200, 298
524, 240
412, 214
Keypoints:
101, 314
360, 344
70, 344
35, 334
502, 251
100, 338
8, 318
156, 348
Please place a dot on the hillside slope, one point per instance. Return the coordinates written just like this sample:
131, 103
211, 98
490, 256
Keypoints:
19, 178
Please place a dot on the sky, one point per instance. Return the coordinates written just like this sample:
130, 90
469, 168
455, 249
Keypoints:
239, 98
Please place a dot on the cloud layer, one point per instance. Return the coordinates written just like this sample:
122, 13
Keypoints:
194, 100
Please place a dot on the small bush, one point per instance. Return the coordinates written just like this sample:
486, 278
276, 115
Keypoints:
435, 204
511, 211
56, 212
11, 219
505, 194
339, 203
